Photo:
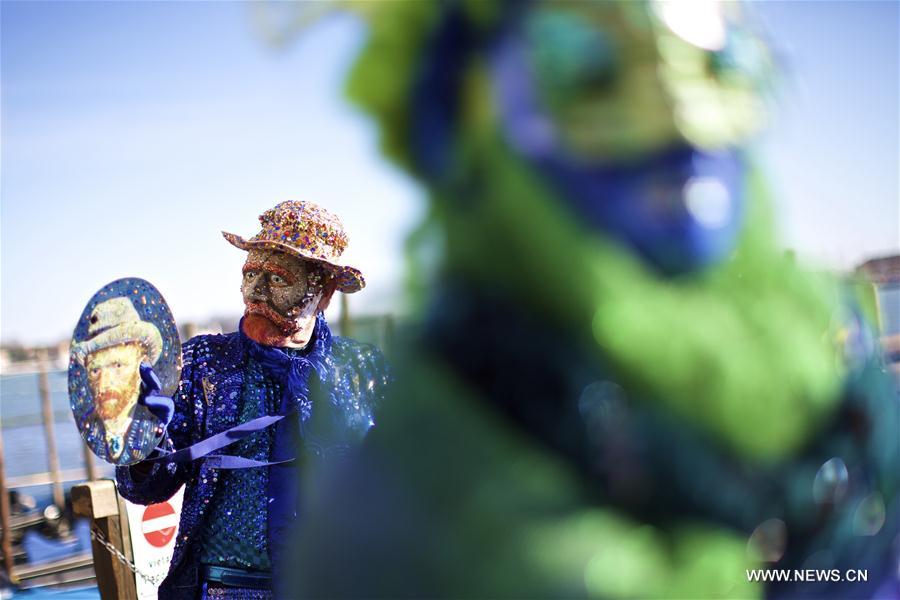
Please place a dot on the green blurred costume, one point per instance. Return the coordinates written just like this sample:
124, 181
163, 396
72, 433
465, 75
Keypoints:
569, 421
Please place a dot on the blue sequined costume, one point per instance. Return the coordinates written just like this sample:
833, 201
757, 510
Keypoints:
235, 534
211, 398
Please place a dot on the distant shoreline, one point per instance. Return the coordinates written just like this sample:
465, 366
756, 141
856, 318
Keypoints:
31, 367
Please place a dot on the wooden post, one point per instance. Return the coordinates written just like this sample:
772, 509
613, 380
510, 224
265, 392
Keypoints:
345, 316
90, 469
47, 413
387, 336
4, 519
99, 501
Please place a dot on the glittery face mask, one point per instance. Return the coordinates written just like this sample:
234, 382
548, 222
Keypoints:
283, 289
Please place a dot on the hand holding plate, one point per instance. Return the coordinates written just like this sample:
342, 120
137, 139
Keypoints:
160, 406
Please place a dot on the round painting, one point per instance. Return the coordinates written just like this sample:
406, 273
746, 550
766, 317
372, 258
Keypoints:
125, 324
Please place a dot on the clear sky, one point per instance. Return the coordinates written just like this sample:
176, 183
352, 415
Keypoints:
133, 132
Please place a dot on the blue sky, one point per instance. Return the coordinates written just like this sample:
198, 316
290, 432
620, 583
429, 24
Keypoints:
133, 132
834, 149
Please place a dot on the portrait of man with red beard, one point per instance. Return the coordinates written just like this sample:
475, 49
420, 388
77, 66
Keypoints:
118, 343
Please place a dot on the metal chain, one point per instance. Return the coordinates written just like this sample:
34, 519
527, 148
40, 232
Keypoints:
97, 535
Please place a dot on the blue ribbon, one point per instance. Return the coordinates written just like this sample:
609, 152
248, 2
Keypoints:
293, 371
218, 441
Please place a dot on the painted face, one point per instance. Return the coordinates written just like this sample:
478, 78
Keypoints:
114, 379
282, 289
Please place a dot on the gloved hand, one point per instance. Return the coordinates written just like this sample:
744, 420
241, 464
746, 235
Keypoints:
160, 406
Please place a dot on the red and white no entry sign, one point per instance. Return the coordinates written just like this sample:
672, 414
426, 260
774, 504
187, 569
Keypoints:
153, 532
159, 524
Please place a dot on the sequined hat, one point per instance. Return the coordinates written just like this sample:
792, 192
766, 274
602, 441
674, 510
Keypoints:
308, 231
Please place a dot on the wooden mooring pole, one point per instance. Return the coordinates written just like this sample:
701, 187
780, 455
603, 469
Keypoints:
345, 316
5, 540
99, 501
49, 434
90, 469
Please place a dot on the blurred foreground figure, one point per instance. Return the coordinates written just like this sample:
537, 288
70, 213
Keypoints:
622, 387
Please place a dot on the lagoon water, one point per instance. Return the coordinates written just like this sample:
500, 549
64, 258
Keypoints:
24, 441
25, 449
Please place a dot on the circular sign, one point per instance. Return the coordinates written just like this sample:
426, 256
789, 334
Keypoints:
125, 324
158, 524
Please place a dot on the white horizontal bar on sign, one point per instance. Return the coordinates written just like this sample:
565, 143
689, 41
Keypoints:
160, 523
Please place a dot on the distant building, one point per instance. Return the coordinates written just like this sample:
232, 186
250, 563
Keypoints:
881, 271
884, 273
189, 330
212, 325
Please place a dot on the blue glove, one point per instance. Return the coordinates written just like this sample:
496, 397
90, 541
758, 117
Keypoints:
159, 406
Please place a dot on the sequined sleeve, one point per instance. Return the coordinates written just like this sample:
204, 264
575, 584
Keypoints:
356, 385
163, 481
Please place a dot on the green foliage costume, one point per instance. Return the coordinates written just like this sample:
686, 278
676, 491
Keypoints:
572, 420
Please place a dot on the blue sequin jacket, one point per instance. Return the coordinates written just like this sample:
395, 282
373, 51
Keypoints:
208, 402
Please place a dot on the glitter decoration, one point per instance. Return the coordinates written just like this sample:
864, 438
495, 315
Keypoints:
870, 515
125, 322
357, 378
768, 541
830, 484
235, 531
308, 231
602, 405
220, 592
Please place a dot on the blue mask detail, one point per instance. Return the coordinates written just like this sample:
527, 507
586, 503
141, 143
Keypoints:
680, 211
